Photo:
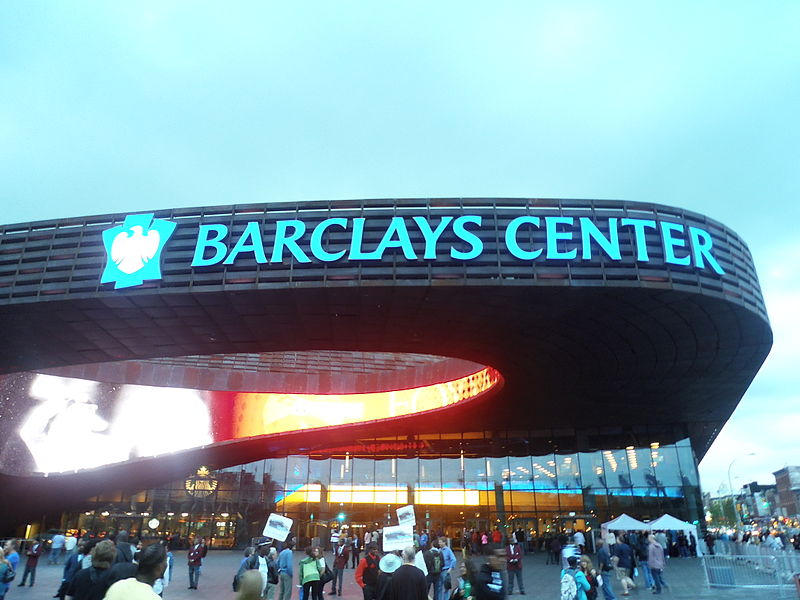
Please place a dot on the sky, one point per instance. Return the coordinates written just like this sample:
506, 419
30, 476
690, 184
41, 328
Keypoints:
129, 106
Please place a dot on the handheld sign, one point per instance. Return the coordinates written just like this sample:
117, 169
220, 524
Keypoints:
397, 538
406, 516
277, 527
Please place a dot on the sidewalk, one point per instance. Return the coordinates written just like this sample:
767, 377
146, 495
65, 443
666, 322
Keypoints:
684, 576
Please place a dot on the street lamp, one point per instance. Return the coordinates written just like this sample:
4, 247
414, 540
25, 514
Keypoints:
730, 484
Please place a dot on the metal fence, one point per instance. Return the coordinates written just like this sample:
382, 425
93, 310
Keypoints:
755, 571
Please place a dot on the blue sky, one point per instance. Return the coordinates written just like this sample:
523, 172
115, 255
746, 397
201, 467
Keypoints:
127, 106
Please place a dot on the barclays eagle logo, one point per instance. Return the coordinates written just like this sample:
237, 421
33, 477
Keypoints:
133, 250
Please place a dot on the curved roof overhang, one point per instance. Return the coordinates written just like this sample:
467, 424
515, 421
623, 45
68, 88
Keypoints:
595, 347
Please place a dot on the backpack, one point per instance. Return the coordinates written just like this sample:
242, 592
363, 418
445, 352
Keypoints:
569, 589
436, 562
9, 575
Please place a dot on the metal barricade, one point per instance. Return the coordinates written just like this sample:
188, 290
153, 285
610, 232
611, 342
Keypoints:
750, 571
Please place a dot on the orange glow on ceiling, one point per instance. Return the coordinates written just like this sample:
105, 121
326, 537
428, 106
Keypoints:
264, 413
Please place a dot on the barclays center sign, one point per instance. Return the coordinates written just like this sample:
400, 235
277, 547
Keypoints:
134, 249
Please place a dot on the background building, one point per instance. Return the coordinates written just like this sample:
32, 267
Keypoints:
787, 482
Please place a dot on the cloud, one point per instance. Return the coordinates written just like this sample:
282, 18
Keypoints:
767, 421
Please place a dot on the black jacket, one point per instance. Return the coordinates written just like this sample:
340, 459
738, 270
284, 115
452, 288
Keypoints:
489, 584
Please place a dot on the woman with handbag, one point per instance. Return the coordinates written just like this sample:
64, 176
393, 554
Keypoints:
312, 570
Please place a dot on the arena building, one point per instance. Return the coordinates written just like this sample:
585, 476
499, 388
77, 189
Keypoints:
532, 363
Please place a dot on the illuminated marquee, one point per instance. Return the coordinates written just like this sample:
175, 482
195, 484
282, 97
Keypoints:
134, 248
685, 246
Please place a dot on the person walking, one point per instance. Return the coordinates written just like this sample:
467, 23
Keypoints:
32, 560
514, 557
56, 548
623, 555
311, 568
71, 568
604, 576
642, 553
195, 557
656, 562
573, 581
587, 568
355, 551
285, 571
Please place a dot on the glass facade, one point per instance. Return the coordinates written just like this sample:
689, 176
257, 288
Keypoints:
451, 489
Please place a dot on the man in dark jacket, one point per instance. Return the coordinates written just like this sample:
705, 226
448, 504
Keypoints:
489, 583
341, 554
90, 584
367, 572
408, 581
33, 554
71, 568
124, 550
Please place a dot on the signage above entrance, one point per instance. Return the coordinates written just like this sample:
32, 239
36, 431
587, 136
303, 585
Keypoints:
134, 248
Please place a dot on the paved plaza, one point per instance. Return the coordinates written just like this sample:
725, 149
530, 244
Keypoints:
684, 576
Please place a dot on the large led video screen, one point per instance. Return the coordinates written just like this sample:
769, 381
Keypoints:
51, 424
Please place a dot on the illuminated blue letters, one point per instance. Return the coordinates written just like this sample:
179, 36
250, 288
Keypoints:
701, 248
671, 242
249, 242
639, 226
397, 227
590, 231
553, 235
459, 228
511, 238
205, 240
431, 235
316, 240
358, 238
289, 242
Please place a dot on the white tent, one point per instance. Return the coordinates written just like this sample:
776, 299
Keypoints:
670, 523
622, 523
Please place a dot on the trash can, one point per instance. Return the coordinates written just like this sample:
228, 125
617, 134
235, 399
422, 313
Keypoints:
722, 576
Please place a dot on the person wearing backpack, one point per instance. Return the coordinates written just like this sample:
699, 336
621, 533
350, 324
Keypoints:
434, 561
573, 582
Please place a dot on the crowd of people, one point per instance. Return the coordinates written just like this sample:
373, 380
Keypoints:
95, 567
424, 570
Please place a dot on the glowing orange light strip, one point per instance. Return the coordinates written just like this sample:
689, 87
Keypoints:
264, 413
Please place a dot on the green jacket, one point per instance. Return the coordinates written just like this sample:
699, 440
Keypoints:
310, 569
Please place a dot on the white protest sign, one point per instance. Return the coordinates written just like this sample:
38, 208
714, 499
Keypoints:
397, 538
277, 527
406, 516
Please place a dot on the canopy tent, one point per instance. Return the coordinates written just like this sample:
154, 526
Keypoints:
670, 523
622, 523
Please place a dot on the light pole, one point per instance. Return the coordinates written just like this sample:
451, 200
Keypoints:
730, 484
